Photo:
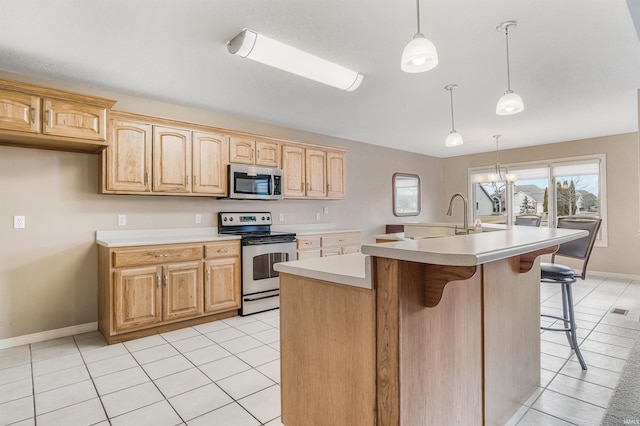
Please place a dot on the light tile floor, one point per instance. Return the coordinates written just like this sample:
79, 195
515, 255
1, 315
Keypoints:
227, 372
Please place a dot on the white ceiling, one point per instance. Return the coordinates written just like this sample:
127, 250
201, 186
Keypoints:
576, 63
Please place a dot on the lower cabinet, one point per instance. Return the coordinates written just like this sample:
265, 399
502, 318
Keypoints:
328, 244
146, 290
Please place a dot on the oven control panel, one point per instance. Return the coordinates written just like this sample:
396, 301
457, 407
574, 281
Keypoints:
241, 219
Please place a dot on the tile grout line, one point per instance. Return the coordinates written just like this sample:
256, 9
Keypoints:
92, 382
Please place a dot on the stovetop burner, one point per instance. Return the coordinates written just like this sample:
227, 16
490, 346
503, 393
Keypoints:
254, 228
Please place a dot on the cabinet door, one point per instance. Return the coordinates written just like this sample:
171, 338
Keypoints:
171, 160
136, 298
209, 163
222, 284
19, 112
128, 157
182, 290
294, 171
267, 153
316, 173
241, 150
335, 175
75, 120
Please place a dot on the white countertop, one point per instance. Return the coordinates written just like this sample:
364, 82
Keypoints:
320, 229
352, 269
147, 237
474, 249
461, 250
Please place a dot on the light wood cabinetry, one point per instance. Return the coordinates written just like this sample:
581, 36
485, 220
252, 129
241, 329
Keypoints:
150, 289
327, 244
308, 246
171, 159
313, 173
40, 117
222, 281
252, 151
163, 158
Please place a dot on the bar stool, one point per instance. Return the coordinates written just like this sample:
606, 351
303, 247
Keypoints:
565, 276
528, 220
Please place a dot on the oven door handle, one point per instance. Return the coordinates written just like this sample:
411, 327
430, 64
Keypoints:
253, 299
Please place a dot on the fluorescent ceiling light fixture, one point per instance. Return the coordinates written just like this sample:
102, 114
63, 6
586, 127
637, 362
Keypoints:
419, 54
250, 44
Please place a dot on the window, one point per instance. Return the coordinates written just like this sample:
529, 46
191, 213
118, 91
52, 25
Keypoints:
406, 194
550, 189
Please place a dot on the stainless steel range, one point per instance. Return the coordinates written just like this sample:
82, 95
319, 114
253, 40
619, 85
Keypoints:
261, 249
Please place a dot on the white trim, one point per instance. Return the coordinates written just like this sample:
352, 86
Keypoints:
614, 275
47, 335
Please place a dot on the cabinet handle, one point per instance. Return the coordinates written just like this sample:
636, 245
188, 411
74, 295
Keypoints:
146, 178
195, 180
166, 280
33, 115
307, 187
159, 256
252, 153
223, 250
257, 154
158, 285
208, 274
47, 115
327, 188
341, 241
188, 179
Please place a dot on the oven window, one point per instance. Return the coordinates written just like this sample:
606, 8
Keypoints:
263, 265
245, 184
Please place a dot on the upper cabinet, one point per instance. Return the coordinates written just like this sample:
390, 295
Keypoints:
40, 117
147, 156
313, 172
252, 151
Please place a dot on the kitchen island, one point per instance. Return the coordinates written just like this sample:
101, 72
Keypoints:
416, 332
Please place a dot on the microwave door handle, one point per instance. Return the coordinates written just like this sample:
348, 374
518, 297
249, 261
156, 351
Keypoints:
272, 191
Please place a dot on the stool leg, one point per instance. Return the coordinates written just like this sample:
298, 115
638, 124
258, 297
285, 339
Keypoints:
566, 309
572, 323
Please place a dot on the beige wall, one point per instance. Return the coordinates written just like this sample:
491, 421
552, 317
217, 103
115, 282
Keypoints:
48, 271
623, 251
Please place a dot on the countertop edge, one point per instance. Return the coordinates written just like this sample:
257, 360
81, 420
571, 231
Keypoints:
307, 268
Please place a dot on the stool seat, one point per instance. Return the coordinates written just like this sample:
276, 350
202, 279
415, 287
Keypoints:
554, 271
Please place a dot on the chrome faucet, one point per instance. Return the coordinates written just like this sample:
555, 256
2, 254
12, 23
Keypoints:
466, 218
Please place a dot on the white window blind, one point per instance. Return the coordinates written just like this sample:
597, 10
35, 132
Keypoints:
589, 167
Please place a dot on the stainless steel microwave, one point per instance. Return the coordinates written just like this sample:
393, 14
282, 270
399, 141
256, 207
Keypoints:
254, 183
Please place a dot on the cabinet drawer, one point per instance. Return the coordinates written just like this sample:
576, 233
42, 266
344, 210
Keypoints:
351, 249
222, 249
339, 240
155, 254
308, 242
335, 251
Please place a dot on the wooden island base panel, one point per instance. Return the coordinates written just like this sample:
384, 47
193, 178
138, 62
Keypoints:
423, 344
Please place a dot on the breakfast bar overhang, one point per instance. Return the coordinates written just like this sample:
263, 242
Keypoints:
418, 332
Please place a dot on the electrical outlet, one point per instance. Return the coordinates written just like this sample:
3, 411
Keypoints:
198, 218
122, 220
281, 217
325, 210
19, 222
317, 216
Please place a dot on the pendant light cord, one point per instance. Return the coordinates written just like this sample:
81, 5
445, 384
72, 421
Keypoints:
453, 127
506, 35
418, 14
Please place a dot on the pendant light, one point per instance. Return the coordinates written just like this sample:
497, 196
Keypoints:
419, 54
510, 102
496, 176
453, 138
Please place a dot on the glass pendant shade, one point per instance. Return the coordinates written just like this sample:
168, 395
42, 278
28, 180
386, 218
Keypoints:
453, 139
419, 55
509, 103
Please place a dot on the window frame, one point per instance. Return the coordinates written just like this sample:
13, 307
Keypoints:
394, 193
602, 240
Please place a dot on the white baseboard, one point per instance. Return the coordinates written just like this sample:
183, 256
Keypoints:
47, 335
614, 275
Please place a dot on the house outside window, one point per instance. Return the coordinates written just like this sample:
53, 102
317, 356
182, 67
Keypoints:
552, 188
